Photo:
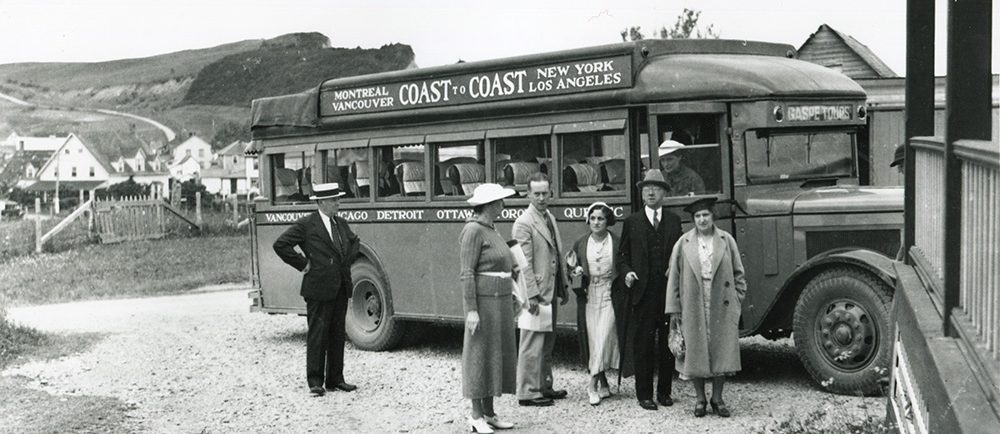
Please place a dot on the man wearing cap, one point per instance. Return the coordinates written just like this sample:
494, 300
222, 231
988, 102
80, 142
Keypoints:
680, 179
544, 281
648, 236
330, 247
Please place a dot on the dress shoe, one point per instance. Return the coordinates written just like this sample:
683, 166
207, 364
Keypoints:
647, 404
699, 409
665, 400
604, 392
316, 390
479, 425
342, 386
555, 394
537, 402
720, 409
495, 422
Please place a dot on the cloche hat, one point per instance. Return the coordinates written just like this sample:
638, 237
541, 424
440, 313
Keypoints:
486, 193
701, 204
653, 177
669, 147
329, 190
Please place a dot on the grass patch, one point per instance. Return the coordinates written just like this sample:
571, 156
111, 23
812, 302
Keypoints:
139, 268
822, 422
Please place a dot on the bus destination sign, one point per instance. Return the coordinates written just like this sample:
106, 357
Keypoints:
801, 113
535, 81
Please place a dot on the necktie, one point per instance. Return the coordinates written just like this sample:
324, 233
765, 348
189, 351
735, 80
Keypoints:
334, 233
656, 219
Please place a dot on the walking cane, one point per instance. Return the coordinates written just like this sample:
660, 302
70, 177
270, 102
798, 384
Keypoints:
624, 343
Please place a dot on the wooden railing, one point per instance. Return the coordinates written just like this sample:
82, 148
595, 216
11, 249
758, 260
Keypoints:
928, 248
979, 301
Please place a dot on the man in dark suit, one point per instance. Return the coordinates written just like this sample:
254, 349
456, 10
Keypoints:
330, 248
648, 236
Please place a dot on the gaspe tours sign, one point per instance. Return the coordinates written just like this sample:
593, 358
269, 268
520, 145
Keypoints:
526, 82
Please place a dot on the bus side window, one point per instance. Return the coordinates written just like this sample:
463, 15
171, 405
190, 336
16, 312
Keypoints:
342, 166
404, 171
458, 168
292, 176
517, 158
593, 161
695, 168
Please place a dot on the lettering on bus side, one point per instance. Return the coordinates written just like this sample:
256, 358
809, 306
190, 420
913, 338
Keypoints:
534, 81
580, 213
282, 217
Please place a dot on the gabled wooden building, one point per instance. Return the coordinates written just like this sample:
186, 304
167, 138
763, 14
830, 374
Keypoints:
840, 51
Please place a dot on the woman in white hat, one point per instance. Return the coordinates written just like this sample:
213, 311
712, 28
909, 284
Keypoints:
489, 350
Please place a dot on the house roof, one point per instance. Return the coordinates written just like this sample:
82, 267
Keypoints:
865, 54
196, 140
101, 160
235, 148
50, 143
75, 185
14, 169
218, 172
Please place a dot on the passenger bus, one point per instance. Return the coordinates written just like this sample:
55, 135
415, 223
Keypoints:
772, 137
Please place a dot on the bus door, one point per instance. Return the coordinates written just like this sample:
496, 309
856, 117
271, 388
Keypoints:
695, 160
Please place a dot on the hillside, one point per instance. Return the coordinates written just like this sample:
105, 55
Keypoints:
275, 70
204, 91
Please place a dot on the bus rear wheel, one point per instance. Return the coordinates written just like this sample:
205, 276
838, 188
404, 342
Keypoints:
370, 324
841, 330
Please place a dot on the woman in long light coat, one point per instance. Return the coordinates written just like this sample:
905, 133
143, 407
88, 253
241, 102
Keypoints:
705, 292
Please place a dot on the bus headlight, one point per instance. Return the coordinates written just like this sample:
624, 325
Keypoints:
779, 114
862, 112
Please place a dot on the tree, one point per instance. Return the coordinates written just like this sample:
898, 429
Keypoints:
127, 188
191, 187
686, 27
228, 133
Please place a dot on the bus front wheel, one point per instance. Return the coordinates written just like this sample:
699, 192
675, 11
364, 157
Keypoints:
370, 324
841, 330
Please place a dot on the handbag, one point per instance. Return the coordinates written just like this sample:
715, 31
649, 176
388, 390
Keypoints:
675, 340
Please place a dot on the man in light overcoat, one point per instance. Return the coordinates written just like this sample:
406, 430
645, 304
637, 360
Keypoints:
535, 231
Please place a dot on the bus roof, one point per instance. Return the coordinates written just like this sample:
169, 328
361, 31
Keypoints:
604, 76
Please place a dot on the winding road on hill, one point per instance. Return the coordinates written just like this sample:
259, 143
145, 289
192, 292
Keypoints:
167, 131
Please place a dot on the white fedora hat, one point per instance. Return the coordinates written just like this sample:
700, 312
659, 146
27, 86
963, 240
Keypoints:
670, 146
486, 193
329, 190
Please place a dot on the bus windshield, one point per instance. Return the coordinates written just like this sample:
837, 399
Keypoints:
778, 156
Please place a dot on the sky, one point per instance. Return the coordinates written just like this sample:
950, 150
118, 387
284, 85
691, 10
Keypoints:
440, 31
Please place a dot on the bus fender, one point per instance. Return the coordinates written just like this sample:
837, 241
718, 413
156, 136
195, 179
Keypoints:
871, 261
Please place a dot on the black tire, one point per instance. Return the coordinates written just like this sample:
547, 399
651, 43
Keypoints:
370, 323
842, 329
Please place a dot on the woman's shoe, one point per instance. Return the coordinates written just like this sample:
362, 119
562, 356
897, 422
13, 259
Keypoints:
495, 422
594, 397
479, 425
699, 409
720, 409
604, 392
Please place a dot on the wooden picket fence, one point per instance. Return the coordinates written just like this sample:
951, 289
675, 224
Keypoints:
134, 218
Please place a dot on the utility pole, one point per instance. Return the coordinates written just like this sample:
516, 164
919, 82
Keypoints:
56, 205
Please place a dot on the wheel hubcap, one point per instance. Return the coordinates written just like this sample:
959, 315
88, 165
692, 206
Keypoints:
367, 312
848, 335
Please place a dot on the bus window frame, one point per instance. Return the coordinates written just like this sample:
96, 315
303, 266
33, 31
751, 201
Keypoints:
409, 140
725, 145
322, 148
851, 130
432, 142
269, 153
616, 125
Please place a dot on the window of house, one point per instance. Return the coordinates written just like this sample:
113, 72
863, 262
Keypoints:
187, 152
201, 153
72, 171
66, 151
344, 166
292, 176
519, 153
91, 171
459, 167
692, 166
593, 161
400, 172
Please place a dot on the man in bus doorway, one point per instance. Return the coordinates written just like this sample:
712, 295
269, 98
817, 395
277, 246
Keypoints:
536, 232
648, 237
680, 179
329, 247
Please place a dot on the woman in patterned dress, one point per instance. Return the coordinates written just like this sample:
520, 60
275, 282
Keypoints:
594, 259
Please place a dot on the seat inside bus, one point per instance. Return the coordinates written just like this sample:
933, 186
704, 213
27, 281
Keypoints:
446, 183
581, 177
613, 174
411, 178
466, 177
517, 173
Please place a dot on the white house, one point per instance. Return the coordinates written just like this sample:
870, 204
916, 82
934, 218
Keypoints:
17, 142
185, 169
195, 148
73, 164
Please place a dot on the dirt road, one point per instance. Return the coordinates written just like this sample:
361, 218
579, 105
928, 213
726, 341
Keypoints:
202, 363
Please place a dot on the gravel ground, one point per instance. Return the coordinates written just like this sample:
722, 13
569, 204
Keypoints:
202, 363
